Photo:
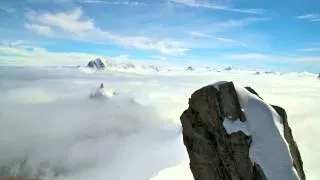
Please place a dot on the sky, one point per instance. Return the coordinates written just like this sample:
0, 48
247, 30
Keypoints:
281, 36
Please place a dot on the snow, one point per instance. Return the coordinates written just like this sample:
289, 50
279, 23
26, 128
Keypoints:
235, 126
180, 171
49, 123
269, 148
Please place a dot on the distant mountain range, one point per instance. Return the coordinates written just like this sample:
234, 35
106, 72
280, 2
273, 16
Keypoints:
125, 66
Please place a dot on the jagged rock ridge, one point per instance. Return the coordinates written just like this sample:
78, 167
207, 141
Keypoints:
97, 63
216, 155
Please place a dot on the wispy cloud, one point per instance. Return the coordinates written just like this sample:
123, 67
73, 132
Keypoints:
18, 43
217, 38
110, 2
74, 24
250, 56
215, 6
310, 49
310, 17
128, 3
41, 29
311, 60
236, 23
200, 34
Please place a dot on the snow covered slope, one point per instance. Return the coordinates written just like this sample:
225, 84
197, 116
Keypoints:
269, 148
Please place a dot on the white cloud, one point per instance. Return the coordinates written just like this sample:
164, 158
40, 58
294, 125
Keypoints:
217, 38
17, 43
96, 139
310, 17
41, 29
74, 24
222, 39
214, 6
313, 60
249, 56
27, 55
71, 22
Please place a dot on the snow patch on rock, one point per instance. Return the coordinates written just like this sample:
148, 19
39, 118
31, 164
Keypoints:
235, 126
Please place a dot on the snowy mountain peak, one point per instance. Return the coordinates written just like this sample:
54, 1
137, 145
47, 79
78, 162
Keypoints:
190, 68
97, 63
228, 68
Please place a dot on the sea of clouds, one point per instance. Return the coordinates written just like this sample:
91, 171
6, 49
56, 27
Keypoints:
51, 127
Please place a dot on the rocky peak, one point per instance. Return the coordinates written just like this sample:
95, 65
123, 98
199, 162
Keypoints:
97, 63
218, 149
190, 68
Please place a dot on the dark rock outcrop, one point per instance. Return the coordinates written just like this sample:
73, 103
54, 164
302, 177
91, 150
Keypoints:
319, 76
216, 155
190, 68
97, 63
228, 68
294, 151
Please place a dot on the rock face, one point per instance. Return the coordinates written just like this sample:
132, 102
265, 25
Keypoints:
319, 76
97, 63
190, 68
216, 155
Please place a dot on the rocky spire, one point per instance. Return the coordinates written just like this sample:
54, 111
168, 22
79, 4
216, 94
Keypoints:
219, 153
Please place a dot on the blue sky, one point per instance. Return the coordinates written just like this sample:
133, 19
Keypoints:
275, 35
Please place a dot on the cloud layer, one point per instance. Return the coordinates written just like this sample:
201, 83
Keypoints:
50, 127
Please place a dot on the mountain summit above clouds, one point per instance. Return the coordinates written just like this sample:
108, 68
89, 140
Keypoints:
231, 133
96, 63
